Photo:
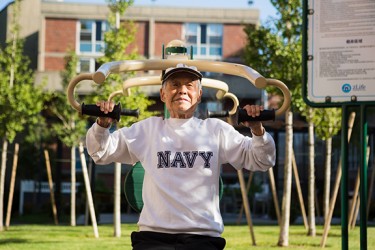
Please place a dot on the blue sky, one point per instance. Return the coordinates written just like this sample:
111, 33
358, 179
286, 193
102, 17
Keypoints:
265, 7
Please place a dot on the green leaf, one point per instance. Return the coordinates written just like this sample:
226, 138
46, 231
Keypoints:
275, 51
21, 102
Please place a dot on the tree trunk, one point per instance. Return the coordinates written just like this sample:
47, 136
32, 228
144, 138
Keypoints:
285, 209
311, 179
117, 201
2, 181
327, 177
73, 186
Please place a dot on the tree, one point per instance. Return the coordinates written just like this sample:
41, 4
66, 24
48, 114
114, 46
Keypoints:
285, 206
328, 124
275, 50
117, 40
70, 128
277, 53
20, 101
309, 113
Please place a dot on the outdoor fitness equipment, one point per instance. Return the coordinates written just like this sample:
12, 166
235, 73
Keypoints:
162, 64
176, 53
221, 87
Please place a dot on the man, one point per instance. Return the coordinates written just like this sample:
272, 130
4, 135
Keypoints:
181, 156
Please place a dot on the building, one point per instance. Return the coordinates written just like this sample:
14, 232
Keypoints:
50, 28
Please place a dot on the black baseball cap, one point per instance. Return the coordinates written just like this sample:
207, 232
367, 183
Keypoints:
181, 68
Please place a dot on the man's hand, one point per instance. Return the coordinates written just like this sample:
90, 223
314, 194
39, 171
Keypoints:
106, 107
255, 126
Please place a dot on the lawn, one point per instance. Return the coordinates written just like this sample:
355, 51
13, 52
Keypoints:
41, 237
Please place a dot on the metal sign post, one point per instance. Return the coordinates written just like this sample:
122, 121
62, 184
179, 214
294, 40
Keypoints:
344, 178
363, 178
339, 71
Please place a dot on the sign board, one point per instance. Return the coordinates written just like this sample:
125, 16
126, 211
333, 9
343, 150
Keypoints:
340, 51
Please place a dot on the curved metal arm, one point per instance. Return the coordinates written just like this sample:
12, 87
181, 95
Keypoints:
113, 94
70, 90
221, 86
227, 68
286, 93
139, 81
236, 103
161, 64
216, 84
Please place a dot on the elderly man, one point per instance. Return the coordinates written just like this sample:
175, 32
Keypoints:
181, 156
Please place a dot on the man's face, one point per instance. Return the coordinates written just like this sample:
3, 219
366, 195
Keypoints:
181, 95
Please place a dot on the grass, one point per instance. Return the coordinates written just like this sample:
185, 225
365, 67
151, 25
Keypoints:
266, 237
238, 237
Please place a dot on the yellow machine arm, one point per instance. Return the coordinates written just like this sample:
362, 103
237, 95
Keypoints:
162, 64
222, 88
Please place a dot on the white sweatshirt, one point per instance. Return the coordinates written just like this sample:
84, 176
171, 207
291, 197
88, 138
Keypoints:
182, 159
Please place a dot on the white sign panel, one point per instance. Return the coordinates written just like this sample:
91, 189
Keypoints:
341, 50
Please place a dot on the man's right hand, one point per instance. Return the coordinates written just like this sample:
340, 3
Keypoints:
106, 107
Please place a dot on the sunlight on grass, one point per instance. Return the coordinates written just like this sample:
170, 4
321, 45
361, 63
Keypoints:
64, 237
266, 237
238, 237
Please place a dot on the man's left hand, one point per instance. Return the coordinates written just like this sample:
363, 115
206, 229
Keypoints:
255, 126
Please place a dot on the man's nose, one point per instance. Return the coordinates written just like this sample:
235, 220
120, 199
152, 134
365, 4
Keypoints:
182, 89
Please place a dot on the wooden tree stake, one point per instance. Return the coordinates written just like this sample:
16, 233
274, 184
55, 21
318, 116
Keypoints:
50, 184
88, 190
11, 188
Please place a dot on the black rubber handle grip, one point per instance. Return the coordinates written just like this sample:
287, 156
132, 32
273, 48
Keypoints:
241, 115
93, 110
265, 115
217, 114
130, 112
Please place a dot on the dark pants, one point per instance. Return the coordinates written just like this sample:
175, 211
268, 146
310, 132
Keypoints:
162, 241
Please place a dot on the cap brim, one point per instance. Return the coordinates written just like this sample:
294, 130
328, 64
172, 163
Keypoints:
182, 70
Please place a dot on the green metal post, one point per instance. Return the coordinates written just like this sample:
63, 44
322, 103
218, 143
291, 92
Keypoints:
166, 113
344, 178
363, 179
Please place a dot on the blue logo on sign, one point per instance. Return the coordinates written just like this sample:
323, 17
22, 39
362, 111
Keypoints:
346, 88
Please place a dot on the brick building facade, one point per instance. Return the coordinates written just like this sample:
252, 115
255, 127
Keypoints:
50, 28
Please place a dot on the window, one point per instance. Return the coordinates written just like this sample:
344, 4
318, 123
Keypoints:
87, 64
91, 36
90, 43
206, 40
